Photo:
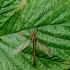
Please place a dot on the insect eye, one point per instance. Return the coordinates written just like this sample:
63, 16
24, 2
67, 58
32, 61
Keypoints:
33, 32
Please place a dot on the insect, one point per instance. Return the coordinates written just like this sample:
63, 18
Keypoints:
34, 41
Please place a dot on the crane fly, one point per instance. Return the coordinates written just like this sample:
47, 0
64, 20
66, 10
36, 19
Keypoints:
35, 41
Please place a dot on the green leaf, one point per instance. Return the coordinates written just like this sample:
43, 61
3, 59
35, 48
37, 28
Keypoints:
51, 17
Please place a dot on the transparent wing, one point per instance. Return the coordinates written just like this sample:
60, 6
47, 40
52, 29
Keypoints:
21, 47
43, 48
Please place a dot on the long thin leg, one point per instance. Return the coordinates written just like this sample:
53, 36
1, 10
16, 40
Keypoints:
36, 30
29, 30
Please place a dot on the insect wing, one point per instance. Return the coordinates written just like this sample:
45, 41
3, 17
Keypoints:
21, 47
43, 48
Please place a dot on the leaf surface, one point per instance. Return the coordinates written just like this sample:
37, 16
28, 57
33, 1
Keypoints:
51, 17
